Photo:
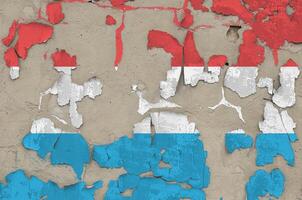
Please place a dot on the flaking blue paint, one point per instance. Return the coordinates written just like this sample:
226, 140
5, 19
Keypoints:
264, 183
76, 191
186, 157
235, 141
149, 188
65, 149
135, 154
270, 145
183, 154
20, 187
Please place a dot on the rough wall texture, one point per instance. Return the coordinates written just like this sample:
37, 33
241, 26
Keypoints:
84, 33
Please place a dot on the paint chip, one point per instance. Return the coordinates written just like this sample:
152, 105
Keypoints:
14, 72
266, 83
168, 122
31, 34
285, 95
237, 139
44, 125
275, 122
62, 58
110, 20
168, 87
68, 92
263, 183
19, 186
54, 12
241, 80
12, 61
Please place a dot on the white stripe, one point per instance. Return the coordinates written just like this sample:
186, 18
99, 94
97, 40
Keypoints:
44, 125
285, 95
241, 80
193, 74
275, 122
14, 72
168, 122
238, 131
168, 87
65, 69
165, 123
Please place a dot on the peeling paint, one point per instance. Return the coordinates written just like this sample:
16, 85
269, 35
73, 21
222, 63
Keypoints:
237, 139
118, 3
186, 56
62, 58
64, 148
268, 19
167, 122
198, 5
144, 106
168, 87
224, 102
68, 92
12, 61
175, 142
263, 183
285, 95
193, 74
20, 186
270, 145
241, 80
275, 122
54, 12
172, 153
110, 20
191, 54
11, 34
266, 83
187, 19
119, 42
149, 188
14, 72
44, 125
31, 34
161, 39
276, 137
250, 52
